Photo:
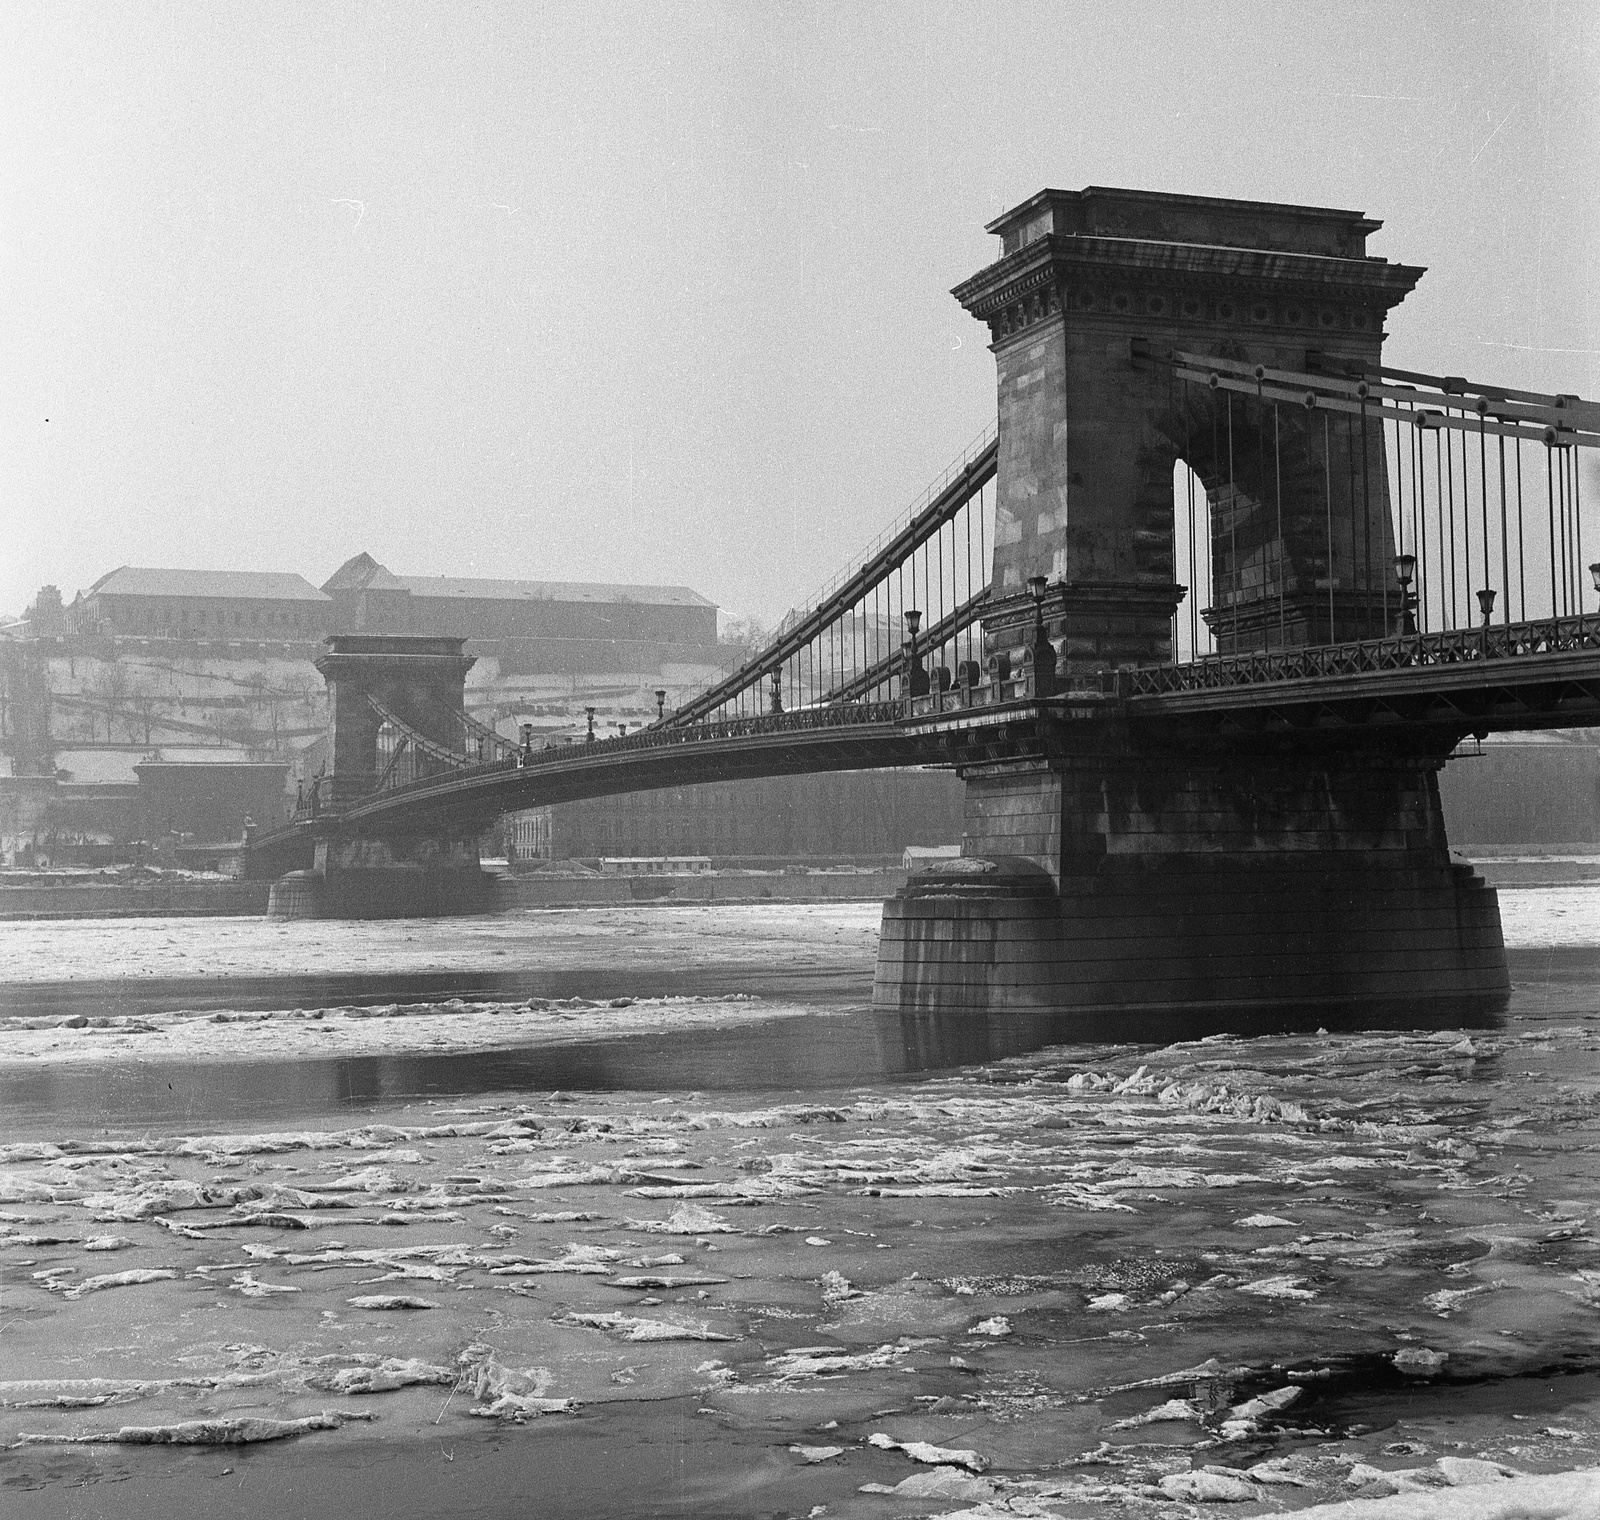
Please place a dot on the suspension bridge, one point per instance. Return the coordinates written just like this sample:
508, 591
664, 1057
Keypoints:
1198, 622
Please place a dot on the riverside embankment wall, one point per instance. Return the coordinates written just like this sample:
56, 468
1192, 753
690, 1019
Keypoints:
244, 898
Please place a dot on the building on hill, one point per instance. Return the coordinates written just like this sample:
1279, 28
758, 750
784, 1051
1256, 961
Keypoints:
152, 658
203, 605
567, 626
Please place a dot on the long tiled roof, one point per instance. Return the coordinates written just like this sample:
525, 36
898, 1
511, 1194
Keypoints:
252, 585
474, 588
364, 573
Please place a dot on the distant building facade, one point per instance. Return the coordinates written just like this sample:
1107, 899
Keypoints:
568, 626
207, 605
220, 664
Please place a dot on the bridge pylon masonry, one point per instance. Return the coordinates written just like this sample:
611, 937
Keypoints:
392, 873
1227, 867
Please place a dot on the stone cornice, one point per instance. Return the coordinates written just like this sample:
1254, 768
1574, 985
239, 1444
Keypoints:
1106, 261
1181, 283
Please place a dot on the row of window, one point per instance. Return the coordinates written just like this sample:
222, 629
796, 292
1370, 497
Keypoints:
158, 618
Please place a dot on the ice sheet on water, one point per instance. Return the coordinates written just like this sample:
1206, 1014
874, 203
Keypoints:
831, 1361
924, 1451
136, 1277
219, 1432
632, 1328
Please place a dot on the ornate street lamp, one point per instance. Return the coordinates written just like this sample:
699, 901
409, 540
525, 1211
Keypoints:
1594, 575
916, 682
1037, 586
1405, 567
777, 689
1044, 653
590, 738
1486, 607
661, 703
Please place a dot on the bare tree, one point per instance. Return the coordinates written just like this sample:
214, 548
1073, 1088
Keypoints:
109, 692
144, 701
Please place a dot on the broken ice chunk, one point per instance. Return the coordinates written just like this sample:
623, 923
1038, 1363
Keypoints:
1277, 1287
120, 1280
1206, 1486
924, 1451
1419, 1361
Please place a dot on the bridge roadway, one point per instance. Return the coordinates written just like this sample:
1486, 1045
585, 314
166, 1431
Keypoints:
1433, 688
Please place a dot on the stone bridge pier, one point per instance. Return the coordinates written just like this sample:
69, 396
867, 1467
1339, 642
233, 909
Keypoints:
1117, 871
363, 873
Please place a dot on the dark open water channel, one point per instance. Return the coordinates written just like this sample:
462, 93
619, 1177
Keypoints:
844, 1043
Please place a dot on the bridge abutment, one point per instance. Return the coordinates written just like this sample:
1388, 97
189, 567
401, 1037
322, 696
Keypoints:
429, 877
1224, 886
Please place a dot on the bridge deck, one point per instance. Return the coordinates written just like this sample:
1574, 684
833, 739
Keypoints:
1525, 676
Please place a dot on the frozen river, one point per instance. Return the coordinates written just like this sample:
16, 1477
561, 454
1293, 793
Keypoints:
642, 1211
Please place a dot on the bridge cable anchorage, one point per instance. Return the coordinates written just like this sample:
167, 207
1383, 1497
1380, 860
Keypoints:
876, 591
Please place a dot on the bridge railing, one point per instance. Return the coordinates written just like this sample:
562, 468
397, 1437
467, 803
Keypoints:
1536, 636
433, 763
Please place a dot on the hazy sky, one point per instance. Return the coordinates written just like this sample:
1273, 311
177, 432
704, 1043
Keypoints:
659, 292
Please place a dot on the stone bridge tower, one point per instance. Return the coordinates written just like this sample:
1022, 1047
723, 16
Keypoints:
422, 681
1208, 874
360, 872
1094, 291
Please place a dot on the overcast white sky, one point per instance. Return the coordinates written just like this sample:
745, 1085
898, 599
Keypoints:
659, 292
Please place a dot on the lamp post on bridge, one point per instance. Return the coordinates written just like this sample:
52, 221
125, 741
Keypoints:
916, 683
1594, 575
590, 738
1486, 607
1405, 567
661, 704
1044, 652
777, 690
